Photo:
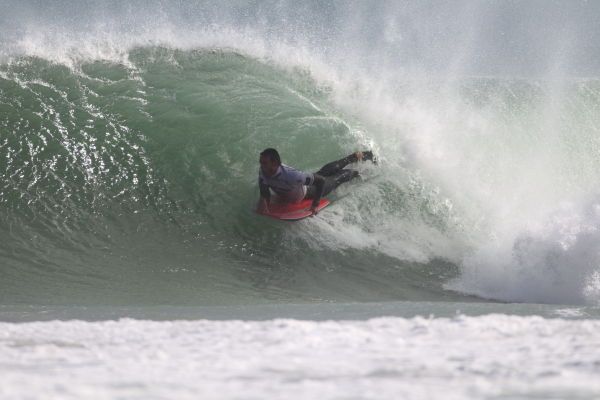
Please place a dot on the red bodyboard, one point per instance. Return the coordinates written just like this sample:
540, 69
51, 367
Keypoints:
293, 211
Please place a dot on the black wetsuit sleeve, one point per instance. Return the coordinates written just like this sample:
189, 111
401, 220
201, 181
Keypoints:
319, 183
264, 190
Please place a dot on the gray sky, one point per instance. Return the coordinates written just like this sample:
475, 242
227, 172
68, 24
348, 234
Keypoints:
506, 38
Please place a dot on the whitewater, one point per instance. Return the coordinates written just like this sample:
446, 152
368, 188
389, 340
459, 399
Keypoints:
465, 264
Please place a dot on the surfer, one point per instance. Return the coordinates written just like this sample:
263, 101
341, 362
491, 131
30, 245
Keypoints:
292, 185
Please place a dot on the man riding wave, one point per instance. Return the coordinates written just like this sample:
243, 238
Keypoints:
293, 186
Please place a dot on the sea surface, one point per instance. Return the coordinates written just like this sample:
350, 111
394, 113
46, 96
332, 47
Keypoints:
464, 265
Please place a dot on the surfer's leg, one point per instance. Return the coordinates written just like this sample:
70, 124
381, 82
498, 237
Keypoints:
332, 182
334, 167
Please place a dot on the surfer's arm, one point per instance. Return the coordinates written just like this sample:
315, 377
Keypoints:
265, 198
319, 183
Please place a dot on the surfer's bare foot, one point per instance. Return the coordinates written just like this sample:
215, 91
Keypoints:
359, 155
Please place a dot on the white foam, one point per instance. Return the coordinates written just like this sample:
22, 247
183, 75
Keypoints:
384, 358
557, 261
520, 218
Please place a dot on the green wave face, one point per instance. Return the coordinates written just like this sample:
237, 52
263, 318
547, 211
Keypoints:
136, 183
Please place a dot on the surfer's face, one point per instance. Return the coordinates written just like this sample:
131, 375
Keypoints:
269, 167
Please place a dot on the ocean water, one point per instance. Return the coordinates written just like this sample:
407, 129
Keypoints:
465, 264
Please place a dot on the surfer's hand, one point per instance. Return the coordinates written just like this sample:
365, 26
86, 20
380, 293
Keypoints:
263, 207
314, 211
263, 210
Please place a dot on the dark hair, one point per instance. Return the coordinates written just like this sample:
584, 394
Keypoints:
272, 154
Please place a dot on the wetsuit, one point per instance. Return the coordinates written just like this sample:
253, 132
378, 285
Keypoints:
288, 183
293, 185
334, 175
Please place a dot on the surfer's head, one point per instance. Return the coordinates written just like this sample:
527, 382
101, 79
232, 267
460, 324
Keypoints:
269, 161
